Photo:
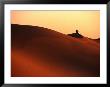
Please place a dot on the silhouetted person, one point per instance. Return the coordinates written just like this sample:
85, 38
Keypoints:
77, 31
77, 35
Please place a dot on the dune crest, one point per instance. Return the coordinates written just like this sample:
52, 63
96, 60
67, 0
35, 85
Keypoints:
38, 51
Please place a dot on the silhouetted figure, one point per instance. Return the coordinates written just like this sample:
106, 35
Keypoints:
77, 31
77, 35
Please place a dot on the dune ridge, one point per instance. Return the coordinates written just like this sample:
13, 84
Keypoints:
38, 51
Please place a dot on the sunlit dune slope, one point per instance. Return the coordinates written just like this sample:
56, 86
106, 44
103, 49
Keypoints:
38, 51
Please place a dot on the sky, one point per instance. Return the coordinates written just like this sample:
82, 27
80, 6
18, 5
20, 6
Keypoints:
66, 22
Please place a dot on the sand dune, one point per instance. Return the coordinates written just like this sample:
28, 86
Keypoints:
38, 51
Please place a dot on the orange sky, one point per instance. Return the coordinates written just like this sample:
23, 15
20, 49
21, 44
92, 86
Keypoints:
87, 22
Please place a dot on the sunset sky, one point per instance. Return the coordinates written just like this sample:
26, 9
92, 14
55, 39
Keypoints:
87, 22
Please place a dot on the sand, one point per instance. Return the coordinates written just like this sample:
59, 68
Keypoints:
42, 52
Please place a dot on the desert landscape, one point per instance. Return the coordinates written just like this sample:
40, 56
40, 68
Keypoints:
37, 51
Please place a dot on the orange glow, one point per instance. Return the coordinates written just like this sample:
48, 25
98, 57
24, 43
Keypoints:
87, 22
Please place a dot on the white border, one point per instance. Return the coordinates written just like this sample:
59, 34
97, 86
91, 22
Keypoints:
56, 80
